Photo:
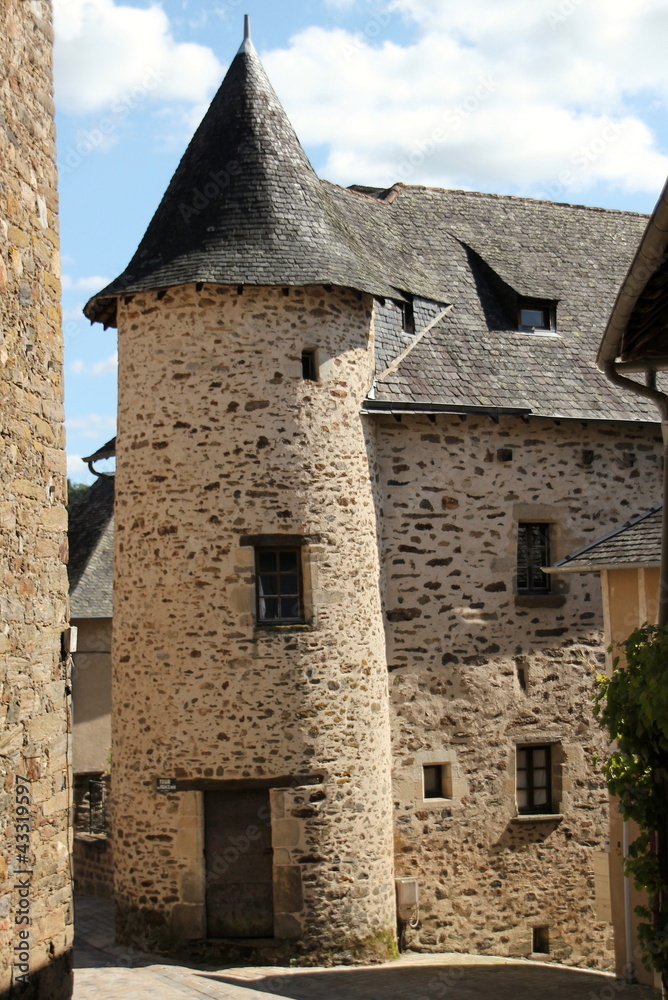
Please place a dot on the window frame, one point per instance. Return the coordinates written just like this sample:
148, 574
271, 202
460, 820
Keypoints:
531, 808
548, 310
260, 550
532, 588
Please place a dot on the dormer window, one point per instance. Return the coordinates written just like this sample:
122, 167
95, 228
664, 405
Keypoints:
536, 316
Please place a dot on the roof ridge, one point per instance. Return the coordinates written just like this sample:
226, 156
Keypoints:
507, 197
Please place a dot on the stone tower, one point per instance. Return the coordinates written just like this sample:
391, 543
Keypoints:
35, 894
251, 749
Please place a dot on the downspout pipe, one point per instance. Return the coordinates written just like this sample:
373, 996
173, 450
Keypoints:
660, 399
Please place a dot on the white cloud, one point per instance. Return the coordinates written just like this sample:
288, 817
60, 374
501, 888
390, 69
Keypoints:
94, 426
107, 366
110, 56
77, 470
93, 283
513, 96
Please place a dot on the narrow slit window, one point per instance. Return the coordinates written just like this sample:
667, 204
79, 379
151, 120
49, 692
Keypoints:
279, 585
408, 316
309, 366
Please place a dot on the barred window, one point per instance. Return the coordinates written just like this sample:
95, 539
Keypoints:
533, 552
279, 585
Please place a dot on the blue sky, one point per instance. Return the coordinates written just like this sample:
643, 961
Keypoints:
558, 99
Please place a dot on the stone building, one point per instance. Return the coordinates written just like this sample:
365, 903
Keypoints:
627, 562
90, 576
35, 893
353, 426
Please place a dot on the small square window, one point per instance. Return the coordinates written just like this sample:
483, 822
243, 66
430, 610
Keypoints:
309, 366
541, 940
433, 781
533, 552
279, 590
536, 315
534, 780
437, 781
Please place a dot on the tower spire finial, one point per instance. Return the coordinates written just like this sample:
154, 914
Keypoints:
247, 44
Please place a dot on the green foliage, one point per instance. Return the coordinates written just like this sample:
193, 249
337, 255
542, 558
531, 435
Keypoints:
75, 491
632, 705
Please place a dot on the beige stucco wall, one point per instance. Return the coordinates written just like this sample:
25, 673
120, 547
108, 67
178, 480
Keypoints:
630, 599
33, 543
91, 695
219, 437
460, 642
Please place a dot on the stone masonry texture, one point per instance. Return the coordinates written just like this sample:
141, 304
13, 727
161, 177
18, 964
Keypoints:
436, 427
477, 670
220, 441
35, 892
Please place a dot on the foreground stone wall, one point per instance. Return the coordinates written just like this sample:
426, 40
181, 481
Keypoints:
477, 670
35, 904
221, 440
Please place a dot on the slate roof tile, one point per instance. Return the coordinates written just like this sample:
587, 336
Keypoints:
636, 543
91, 543
245, 206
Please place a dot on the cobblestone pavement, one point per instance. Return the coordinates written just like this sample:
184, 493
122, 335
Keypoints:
104, 971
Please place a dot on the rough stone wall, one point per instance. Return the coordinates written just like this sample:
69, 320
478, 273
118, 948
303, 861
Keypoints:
35, 903
93, 870
220, 437
477, 670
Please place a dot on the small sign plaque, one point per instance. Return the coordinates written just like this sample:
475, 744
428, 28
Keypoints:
165, 785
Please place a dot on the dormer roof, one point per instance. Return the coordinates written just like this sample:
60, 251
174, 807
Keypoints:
245, 207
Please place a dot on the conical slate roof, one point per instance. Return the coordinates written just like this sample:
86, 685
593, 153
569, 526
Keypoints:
245, 207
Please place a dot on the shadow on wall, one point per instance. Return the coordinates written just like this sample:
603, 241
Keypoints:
41, 984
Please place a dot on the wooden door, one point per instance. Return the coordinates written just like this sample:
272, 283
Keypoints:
238, 859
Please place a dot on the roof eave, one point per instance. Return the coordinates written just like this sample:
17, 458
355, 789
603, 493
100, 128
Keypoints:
600, 567
647, 259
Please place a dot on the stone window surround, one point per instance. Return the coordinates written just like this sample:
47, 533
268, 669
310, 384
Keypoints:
307, 544
525, 536
446, 758
541, 513
557, 761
